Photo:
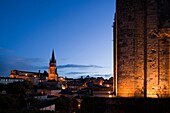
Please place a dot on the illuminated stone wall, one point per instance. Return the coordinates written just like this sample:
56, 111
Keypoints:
142, 42
52, 73
126, 49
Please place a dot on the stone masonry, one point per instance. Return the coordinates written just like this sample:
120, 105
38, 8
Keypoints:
142, 48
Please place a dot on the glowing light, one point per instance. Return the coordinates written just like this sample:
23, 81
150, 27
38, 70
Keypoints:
110, 96
42, 92
109, 92
108, 85
101, 83
63, 87
61, 79
79, 105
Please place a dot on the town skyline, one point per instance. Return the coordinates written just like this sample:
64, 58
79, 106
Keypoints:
85, 56
80, 32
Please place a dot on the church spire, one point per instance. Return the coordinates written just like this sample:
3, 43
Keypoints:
52, 68
53, 57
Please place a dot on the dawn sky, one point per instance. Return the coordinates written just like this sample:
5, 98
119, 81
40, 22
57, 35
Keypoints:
79, 31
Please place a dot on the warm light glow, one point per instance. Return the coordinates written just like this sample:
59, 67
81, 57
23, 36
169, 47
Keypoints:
11, 76
101, 83
108, 85
61, 78
126, 92
42, 92
109, 92
79, 105
26, 74
63, 87
110, 96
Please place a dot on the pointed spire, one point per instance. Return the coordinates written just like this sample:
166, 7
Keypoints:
53, 57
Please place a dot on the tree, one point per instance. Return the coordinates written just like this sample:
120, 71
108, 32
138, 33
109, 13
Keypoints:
16, 88
2, 87
7, 102
63, 104
27, 84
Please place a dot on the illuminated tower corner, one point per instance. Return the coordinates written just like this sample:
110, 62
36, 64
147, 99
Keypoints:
52, 68
142, 48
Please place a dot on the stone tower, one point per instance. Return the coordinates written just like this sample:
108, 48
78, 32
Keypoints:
142, 48
52, 68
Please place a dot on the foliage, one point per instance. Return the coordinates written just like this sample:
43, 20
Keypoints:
93, 105
66, 105
2, 87
24, 111
16, 88
17, 101
7, 102
27, 84
63, 104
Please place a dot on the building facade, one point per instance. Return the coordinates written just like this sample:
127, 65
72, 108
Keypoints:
142, 48
38, 77
34, 77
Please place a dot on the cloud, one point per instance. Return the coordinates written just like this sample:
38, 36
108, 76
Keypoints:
9, 62
3, 50
76, 73
96, 75
78, 66
102, 75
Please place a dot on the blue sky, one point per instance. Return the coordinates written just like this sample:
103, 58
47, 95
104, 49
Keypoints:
79, 31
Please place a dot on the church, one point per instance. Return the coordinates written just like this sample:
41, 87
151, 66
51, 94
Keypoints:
38, 77
52, 72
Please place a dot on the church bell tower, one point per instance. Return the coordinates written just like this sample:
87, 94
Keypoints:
52, 68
